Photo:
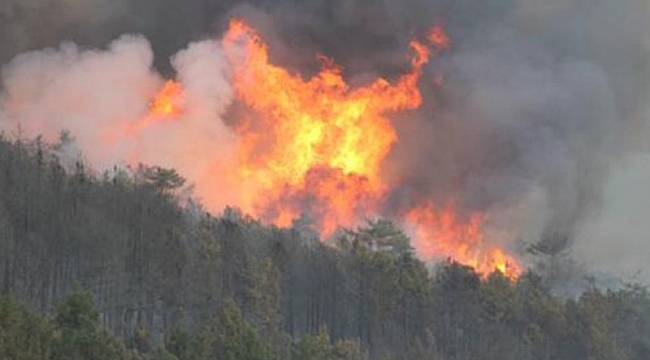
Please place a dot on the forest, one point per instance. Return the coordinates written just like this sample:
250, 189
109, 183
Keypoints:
124, 265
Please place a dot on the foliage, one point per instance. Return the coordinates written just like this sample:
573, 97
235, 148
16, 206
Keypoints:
23, 336
319, 347
166, 283
79, 335
161, 179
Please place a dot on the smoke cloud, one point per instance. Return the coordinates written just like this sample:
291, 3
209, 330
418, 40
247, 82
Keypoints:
540, 101
98, 95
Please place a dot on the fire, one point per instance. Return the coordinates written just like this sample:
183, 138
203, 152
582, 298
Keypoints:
314, 146
169, 101
168, 104
443, 233
304, 151
310, 150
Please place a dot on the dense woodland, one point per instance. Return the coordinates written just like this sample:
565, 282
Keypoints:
120, 265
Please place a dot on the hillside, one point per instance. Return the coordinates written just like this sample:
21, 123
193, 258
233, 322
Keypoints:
157, 275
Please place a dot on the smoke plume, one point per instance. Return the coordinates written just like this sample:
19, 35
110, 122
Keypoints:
539, 102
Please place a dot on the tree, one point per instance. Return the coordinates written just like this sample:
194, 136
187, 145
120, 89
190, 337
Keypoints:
319, 347
237, 339
23, 336
79, 336
161, 179
162, 354
178, 341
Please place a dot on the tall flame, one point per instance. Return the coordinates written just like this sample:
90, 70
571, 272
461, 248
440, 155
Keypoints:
316, 145
310, 150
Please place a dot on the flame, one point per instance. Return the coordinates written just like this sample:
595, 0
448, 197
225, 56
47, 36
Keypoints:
169, 100
310, 150
316, 145
305, 150
167, 104
443, 233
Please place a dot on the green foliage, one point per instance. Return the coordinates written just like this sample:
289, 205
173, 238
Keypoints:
238, 340
77, 313
499, 299
319, 347
73, 334
161, 354
250, 292
23, 336
312, 347
380, 235
228, 336
141, 338
161, 179
178, 342
348, 350
79, 335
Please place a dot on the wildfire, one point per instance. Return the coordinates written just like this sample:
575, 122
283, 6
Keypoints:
167, 104
314, 146
442, 233
310, 150
169, 101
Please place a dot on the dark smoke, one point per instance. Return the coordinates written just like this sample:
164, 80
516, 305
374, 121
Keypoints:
540, 100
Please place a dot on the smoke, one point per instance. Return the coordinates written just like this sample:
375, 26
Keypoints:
540, 100
54, 89
30, 24
616, 240
98, 95
514, 121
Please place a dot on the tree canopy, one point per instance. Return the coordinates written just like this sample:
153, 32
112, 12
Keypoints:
111, 266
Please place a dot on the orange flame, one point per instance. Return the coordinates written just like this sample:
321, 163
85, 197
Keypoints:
316, 146
167, 104
311, 150
169, 101
315, 143
444, 233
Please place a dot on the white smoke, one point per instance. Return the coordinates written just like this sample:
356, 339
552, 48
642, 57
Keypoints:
96, 94
541, 99
85, 92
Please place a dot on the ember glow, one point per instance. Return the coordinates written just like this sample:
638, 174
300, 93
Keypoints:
439, 38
